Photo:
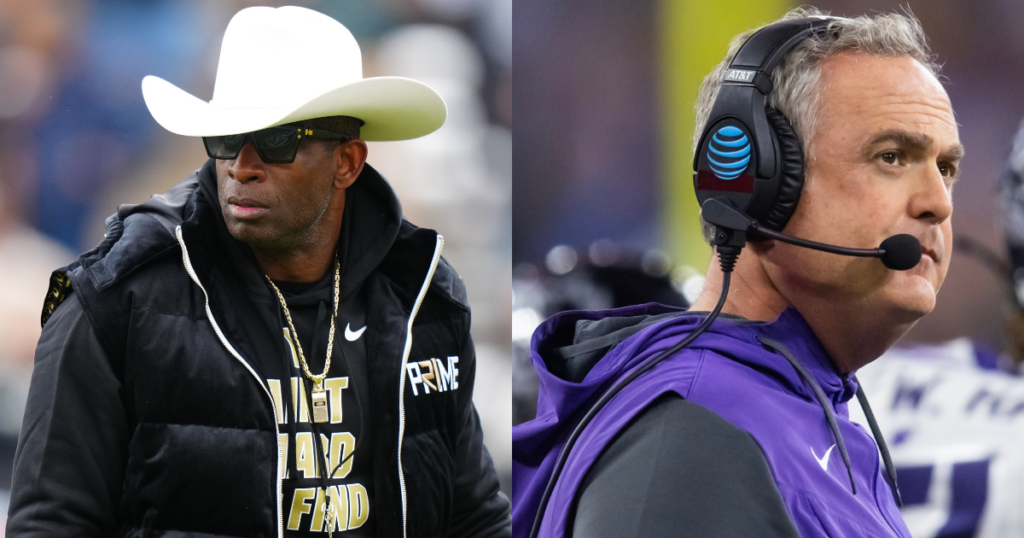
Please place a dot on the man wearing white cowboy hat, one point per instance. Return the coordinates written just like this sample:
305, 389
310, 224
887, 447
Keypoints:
268, 348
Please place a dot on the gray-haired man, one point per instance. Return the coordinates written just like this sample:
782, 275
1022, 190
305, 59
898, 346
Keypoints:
746, 431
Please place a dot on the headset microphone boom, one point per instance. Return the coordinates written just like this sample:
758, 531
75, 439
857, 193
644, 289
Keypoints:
899, 252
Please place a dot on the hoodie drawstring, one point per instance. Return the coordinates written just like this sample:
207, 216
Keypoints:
877, 433
822, 400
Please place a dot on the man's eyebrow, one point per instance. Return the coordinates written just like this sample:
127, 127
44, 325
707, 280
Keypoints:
914, 141
902, 138
955, 152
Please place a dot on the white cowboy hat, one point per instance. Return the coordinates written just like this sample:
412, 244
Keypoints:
290, 64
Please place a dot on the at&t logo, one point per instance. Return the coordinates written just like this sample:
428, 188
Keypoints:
729, 152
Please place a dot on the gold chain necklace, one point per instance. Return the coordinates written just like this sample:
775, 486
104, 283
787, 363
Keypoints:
319, 395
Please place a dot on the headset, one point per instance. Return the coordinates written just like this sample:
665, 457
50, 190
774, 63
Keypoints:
748, 175
749, 165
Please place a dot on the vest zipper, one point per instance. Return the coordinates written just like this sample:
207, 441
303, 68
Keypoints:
401, 382
224, 342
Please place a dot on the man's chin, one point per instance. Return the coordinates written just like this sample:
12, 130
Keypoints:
252, 233
912, 301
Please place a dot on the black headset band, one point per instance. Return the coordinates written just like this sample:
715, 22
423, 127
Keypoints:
763, 51
768, 46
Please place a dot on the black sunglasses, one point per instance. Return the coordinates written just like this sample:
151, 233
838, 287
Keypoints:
277, 145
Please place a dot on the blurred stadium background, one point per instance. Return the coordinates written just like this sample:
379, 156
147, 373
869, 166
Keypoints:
76, 140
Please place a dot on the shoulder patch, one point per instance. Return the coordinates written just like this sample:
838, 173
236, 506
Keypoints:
60, 288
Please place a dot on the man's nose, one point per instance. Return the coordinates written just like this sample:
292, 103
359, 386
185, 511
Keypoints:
931, 199
247, 166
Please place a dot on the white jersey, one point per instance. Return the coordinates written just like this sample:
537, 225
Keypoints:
955, 431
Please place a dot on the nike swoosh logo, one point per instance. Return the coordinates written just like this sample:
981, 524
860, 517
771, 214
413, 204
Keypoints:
351, 335
823, 461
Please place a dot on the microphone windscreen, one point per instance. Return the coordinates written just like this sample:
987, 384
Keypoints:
902, 252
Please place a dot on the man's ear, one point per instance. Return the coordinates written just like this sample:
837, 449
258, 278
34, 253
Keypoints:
349, 158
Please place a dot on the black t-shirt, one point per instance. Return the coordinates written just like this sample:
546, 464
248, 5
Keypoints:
349, 484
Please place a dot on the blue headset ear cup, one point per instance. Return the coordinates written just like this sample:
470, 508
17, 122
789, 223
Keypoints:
791, 177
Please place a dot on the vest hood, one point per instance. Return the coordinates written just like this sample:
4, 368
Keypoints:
605, 345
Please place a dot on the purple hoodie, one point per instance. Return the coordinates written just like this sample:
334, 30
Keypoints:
726, 370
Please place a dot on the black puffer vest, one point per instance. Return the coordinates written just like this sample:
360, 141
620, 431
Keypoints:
203, 451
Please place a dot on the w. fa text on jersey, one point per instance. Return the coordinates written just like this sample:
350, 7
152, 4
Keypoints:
433, 375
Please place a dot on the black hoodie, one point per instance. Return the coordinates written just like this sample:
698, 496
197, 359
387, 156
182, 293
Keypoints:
150, 413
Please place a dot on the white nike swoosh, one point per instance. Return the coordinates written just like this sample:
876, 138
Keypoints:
351, 335
823, 461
